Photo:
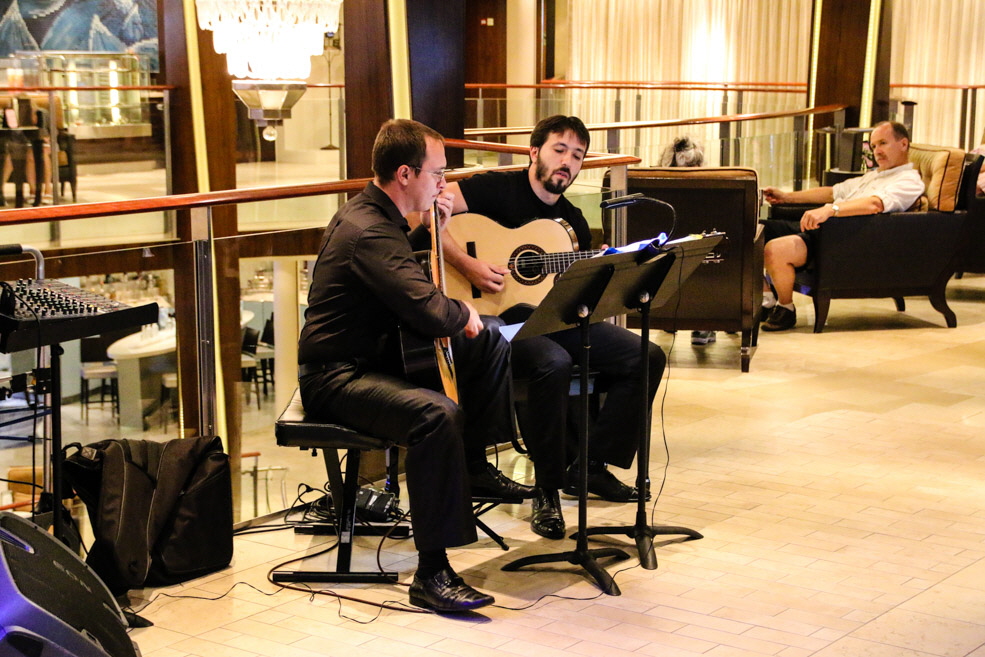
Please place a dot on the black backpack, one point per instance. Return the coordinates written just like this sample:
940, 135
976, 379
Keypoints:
161, 512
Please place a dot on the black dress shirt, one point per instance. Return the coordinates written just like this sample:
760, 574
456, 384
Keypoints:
366, 280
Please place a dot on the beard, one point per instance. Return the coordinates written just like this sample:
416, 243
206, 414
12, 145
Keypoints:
546, 178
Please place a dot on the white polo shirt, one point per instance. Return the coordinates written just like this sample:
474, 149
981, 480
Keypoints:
899, 187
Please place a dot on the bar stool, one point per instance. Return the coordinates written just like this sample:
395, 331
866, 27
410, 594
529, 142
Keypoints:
96, 366
169, 396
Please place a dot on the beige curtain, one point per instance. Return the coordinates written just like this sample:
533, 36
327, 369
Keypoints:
692, 41
939, 42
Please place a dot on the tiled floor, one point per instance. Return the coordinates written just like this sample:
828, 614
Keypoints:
838, 485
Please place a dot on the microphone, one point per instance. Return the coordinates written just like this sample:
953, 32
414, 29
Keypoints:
623, 201
638, 197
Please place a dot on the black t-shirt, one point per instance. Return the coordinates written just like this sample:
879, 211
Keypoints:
507, 198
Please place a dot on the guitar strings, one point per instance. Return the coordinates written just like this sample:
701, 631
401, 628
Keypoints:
552, 262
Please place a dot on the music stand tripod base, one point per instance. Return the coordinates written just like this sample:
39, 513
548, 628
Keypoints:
641, 531
584, 558
643, 534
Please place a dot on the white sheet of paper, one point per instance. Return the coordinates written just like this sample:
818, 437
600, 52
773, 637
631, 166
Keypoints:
509, 331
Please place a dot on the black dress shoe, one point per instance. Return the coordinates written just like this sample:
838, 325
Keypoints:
547, 520
493, 483
604, 484
445, 591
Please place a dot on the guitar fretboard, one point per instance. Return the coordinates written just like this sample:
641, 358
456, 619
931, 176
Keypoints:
551, 263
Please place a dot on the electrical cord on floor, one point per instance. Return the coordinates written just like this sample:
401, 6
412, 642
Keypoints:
663, 400
129, 608
402, 517
298, 506
392, 605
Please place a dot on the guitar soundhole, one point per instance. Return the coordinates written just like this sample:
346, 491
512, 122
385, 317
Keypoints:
527, 264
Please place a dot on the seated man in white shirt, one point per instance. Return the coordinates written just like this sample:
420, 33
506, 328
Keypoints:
893, 187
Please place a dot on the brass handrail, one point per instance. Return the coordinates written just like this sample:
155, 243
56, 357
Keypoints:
255, 194
145, 87
666, 123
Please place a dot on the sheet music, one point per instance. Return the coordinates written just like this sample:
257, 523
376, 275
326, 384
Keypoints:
652, 243
509, 331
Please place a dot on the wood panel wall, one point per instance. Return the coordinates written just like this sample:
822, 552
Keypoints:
485, 57
841, 58
369, 88
436, 38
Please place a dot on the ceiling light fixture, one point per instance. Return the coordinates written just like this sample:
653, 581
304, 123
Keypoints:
268, 44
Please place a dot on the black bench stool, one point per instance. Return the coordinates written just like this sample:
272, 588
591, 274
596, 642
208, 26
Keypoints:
294, 429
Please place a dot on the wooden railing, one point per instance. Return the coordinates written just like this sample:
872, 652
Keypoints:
271, 193
704, 120
968, 136
729, 133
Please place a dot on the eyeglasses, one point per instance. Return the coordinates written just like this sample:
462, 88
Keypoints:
439, 174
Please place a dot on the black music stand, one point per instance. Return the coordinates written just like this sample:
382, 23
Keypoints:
640, 288
581, 297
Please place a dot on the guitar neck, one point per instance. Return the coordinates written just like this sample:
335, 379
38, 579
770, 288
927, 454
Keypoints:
556, 263
437, 255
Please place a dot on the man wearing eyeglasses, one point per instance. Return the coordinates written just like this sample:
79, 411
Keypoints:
558, 145
366, 281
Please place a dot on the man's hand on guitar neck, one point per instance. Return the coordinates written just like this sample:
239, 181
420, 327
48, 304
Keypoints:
444, 202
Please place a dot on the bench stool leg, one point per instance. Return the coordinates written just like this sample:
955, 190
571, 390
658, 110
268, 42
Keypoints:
346, 510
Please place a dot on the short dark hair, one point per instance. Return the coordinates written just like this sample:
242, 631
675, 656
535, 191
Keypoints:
399, 142
899, 130
558, 125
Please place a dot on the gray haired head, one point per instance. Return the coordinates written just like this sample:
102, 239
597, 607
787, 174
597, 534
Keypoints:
684, 152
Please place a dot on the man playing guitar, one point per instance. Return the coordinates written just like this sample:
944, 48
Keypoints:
365, 281
558, 145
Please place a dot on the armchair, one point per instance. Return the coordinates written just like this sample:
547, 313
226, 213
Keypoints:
725, 295
973, 257
892, 255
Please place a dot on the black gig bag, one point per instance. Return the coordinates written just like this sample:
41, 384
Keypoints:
161, 512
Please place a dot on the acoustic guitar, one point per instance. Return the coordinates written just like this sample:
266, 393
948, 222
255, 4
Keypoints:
535, 253
428, 362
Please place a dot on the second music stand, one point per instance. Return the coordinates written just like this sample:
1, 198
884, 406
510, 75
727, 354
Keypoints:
579, 298
640, 288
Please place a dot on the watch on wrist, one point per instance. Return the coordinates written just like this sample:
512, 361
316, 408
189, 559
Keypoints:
835, 209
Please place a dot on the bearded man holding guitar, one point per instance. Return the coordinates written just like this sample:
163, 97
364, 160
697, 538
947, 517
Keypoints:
365, 282
558, 145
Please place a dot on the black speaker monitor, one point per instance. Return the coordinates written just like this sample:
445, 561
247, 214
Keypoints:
51, 603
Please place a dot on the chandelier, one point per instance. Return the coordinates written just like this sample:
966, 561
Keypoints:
269, 44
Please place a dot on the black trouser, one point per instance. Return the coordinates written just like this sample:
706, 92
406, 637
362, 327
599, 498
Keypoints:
430, 426
546, 363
